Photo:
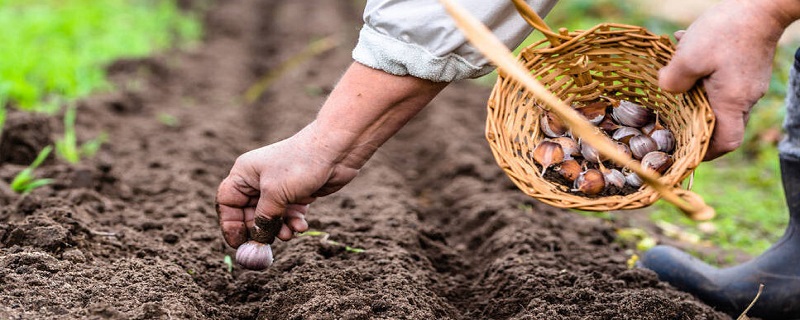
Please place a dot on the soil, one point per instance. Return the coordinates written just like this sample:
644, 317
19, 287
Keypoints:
132, 233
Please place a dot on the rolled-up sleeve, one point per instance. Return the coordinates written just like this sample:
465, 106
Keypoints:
419, 38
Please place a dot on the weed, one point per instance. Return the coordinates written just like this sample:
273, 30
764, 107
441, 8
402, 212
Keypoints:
325, 236
228, 263
67, 146
26, 181
168, 120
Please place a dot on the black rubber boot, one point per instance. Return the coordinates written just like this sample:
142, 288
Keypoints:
732, 289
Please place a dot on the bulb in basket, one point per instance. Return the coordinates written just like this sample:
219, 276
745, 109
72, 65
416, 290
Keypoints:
635, 129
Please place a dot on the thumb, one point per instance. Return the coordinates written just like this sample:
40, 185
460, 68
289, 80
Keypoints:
680, 74
268, 218
685, 68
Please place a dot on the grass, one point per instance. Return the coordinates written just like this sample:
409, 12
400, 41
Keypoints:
744, 187
54, 51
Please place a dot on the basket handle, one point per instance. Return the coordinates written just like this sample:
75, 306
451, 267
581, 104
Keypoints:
483, 39
536, 21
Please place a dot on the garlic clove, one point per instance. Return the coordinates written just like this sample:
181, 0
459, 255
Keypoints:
569, 169
551, 125
569, 146
595, 112
657, 161
642, 145
652, 126
623, 148
590, 153
624, 134
664, 139
254, 255
633, 179
590, 182
613, 177
548, 153
608, 124
631, 114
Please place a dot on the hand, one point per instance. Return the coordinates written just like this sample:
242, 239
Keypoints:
365, 109
279, 180
731, 48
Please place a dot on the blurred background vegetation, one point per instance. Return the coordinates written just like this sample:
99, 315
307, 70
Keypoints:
744, 187
54, 51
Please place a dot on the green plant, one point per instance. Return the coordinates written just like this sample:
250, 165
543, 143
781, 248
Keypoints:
26, 181
54, 51
168, 119
228, 263
67, 146
325, 236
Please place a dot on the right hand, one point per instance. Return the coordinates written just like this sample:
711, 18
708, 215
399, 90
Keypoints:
278, 180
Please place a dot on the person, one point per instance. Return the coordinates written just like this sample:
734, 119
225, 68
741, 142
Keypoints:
409, 50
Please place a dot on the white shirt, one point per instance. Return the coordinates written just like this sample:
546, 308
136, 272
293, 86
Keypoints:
419, 38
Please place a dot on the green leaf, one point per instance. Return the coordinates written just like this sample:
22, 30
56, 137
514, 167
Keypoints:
24, 181
229, 263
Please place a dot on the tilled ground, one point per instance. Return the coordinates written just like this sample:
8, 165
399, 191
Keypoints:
132, 233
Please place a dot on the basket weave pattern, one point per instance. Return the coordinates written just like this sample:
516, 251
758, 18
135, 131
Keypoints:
615, 60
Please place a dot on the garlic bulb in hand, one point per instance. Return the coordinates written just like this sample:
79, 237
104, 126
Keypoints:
254, 255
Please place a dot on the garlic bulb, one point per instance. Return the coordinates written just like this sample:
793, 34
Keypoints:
633, 179
664, 139
569, 146
590, 182
657, 161
569, 169
548, 153
624, 134
551, 125
641, 145
613, 177
608, 124
623, 148
630, 114
594, 112
254, 255
590, 153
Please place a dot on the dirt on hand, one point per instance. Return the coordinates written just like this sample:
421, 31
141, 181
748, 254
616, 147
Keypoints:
132, 232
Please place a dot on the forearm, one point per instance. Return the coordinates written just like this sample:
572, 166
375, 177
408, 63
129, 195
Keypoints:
366, 108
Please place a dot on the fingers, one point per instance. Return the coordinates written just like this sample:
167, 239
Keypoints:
686, 68
232, 222
294, 221
681, 73
231, 201
731, 119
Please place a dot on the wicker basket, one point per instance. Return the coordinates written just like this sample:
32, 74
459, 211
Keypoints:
609, 59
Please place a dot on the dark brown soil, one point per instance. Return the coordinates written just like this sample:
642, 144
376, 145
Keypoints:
132, 232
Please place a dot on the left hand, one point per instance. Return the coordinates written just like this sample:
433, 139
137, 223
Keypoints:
731, 48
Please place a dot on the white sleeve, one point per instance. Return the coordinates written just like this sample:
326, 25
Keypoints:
419, 38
